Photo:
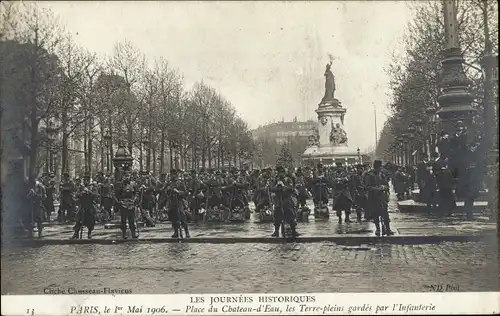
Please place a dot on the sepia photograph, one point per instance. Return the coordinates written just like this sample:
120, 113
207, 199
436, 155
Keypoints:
249, 157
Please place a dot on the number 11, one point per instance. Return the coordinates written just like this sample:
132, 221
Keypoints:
30, 312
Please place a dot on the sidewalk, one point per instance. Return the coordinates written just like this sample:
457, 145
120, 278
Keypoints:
408, 228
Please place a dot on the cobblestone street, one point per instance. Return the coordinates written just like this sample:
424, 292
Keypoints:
215, 268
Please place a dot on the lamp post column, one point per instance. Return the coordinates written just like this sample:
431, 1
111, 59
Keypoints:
455, 98
489, 63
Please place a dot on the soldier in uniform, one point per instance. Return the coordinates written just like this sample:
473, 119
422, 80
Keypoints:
147, 201
36, 195
358, 189
262, 193
342, 201
320, 187
236, 192
196, 187
399, 183
126, 196
445, 184
301, 187
48, 202
284, 206
176, 195
86, 215
67, 204
106, 193
214, 192
378, 195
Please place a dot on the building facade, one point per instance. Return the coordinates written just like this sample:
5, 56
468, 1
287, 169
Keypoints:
283, 131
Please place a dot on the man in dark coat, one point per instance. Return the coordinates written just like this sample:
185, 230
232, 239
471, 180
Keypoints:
284, 205
378, 197
176, 204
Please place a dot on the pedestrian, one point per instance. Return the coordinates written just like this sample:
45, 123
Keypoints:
378, 196
445, 184
176, 205
284, 206
86, 214
126, 198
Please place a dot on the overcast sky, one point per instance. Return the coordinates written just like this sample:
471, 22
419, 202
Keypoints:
267, 58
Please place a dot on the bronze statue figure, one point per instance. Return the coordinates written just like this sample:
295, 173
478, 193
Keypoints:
337, 135
329, 85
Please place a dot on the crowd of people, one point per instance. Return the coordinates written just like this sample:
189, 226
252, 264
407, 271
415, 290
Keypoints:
279, 195
224, 195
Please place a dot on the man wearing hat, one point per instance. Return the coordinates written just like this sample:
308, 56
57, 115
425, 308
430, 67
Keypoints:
86, 213
320, 187
399, 180
48, 202
67, 198
284, 205
445, 184
378, 195
176, 195
106, 194
126, 197
196, 197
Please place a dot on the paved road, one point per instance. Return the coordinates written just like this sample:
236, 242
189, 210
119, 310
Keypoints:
402, 224
216, 268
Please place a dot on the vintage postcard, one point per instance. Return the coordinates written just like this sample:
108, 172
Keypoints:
249, 157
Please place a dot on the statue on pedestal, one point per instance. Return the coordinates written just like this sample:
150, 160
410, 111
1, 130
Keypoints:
329, 85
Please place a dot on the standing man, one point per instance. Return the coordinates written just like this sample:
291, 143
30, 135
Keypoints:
176, 195
86, 215
67, 200
378, 196
106, 194
48, 202
126, 196
284, 206
36, 196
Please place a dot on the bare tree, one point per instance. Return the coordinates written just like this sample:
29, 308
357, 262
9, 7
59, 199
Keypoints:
128, 63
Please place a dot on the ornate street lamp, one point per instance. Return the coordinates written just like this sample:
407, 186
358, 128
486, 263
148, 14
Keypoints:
122, 162
455, 98
359, 155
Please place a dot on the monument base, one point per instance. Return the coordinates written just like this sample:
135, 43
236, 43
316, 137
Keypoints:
330, 155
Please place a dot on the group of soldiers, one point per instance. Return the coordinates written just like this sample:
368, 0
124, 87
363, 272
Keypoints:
183, 196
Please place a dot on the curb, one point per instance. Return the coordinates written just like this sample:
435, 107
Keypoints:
401, 240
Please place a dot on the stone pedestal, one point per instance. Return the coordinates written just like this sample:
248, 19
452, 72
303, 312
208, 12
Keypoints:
331, 148
329, 116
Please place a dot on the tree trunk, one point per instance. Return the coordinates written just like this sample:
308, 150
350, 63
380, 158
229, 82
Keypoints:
110, 129
171, 154
209, 157
85, 149
162, 152
154, 161
90, 145
103, 144
130, 140
64, 141
140, 157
